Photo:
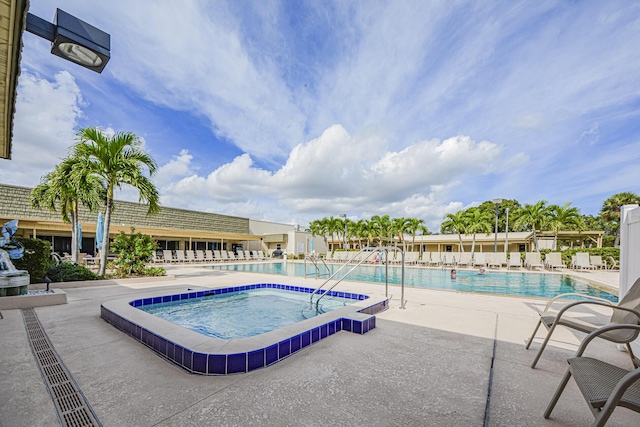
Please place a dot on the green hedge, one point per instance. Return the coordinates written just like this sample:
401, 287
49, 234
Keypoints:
68, 272
36, 258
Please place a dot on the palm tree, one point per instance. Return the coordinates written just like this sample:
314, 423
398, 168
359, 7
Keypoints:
478, 221
455, 223
360, 230
116, 160
532, 217
400, 227
561, 217
611, 210
414, 225
65, 190
382, 227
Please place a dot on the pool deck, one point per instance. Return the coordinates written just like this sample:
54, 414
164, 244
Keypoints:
426, 365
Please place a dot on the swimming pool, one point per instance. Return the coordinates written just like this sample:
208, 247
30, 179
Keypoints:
242, 314
493, 282
206, 355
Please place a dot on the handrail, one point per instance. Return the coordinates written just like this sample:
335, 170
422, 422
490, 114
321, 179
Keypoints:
371, 249
314, 260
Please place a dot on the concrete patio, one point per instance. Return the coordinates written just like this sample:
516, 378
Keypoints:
427, 365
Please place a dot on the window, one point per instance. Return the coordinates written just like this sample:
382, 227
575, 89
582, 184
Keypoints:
522, 248
448, 248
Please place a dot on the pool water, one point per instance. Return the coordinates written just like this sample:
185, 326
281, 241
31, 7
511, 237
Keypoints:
493, 282
242, 314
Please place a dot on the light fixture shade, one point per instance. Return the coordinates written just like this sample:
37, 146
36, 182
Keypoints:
79, 42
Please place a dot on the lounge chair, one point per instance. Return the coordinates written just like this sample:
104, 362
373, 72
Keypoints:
191, 256
425, 259
231, 256
603, 386
596, 262
240, 256
612, 263
582, 261
218, 256
247, 255
180, 256
411, 257
553, 261
514, 260
436, 259
157, 259
479, 259
448, 260
627, 311
167, 254
200, 256
208, 256
464, 259
497, 259
262, 255
532, 260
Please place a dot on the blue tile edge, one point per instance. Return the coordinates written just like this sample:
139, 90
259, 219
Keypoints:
226, 364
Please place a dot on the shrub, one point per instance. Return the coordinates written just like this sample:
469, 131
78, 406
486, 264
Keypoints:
68, 272
36, 258
603, 252
134, 252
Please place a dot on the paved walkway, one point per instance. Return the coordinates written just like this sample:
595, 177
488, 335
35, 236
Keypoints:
426, 365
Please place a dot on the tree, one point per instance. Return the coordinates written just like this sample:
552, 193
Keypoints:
63, 191
382, 227
415, 226
532, 217
610, 211
477, 221
116, 160
563, 217
455, 223
400, 227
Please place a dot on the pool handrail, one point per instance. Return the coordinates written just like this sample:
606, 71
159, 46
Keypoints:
371, 249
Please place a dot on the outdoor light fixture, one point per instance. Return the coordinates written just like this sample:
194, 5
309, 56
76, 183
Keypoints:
495, 244
73, 39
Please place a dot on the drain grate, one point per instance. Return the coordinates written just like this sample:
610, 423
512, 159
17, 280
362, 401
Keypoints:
72, 408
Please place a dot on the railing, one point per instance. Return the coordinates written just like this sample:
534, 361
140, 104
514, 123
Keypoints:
315, 260
370, 251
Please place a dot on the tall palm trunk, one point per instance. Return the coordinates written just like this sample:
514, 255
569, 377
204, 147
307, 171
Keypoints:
74, 234
461, 245
105, 237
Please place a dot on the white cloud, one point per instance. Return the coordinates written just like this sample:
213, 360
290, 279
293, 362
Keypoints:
338, 172
44, 126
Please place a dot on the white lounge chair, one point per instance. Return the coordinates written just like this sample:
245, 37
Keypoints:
436, 259
167, 254
208, 256
240, 256
464, 259
514, 260
582, 261
191, 256
479, 259
426, 258
180, 256
533, 260
596, 262
200, 256
553, 261
497, 259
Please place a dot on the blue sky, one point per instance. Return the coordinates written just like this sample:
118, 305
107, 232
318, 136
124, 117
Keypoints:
295, 110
